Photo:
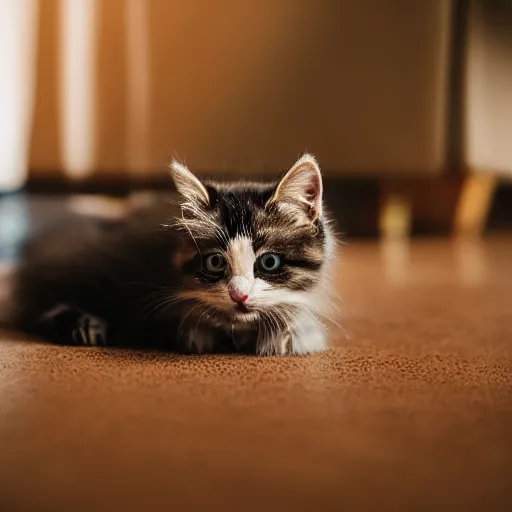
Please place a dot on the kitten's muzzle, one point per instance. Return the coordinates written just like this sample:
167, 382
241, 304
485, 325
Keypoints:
238, 289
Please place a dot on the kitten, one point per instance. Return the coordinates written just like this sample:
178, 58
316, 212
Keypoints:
242, 267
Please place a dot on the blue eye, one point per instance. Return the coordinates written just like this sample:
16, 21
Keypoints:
270, 262
215, 263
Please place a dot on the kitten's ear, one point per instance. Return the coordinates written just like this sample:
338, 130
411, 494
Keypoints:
187, 184
301, 186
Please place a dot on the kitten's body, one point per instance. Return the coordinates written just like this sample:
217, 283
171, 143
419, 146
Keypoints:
190, 276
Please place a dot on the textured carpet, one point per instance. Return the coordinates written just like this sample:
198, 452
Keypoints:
412, 407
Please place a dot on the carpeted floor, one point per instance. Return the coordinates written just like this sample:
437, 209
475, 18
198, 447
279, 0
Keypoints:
412, 407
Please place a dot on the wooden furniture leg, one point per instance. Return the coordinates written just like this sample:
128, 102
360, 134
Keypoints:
474, 205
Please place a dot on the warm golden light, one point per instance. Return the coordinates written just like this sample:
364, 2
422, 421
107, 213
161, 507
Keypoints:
138, 81
78, 24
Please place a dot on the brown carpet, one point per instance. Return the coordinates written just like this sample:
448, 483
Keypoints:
412, 408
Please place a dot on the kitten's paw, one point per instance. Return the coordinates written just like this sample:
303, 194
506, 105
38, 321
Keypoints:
300, 342
276, 346
284, 345
90, 331
307, 343
69, 325
308, 336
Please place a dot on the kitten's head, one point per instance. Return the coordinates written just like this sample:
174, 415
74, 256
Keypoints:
253, 250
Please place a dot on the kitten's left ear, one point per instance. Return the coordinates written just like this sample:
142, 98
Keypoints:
187, 184
301, 186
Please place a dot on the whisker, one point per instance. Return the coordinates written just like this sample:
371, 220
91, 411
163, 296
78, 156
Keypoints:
192, 309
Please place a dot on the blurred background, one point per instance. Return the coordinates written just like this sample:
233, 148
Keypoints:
407, 105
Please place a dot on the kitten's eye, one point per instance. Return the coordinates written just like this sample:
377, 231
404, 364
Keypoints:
270, 262
216, 263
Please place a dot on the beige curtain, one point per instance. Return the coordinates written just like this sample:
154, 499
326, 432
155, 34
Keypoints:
122, 85
487, 134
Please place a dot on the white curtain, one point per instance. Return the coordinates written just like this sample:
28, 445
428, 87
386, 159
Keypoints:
18, 36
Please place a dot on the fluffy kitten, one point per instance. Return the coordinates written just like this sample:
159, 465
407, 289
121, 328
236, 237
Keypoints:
232, 267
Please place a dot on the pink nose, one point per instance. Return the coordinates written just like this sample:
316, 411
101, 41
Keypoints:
237, 296
239, 288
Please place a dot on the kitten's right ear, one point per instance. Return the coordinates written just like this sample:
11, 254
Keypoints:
301, 187
187, 184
